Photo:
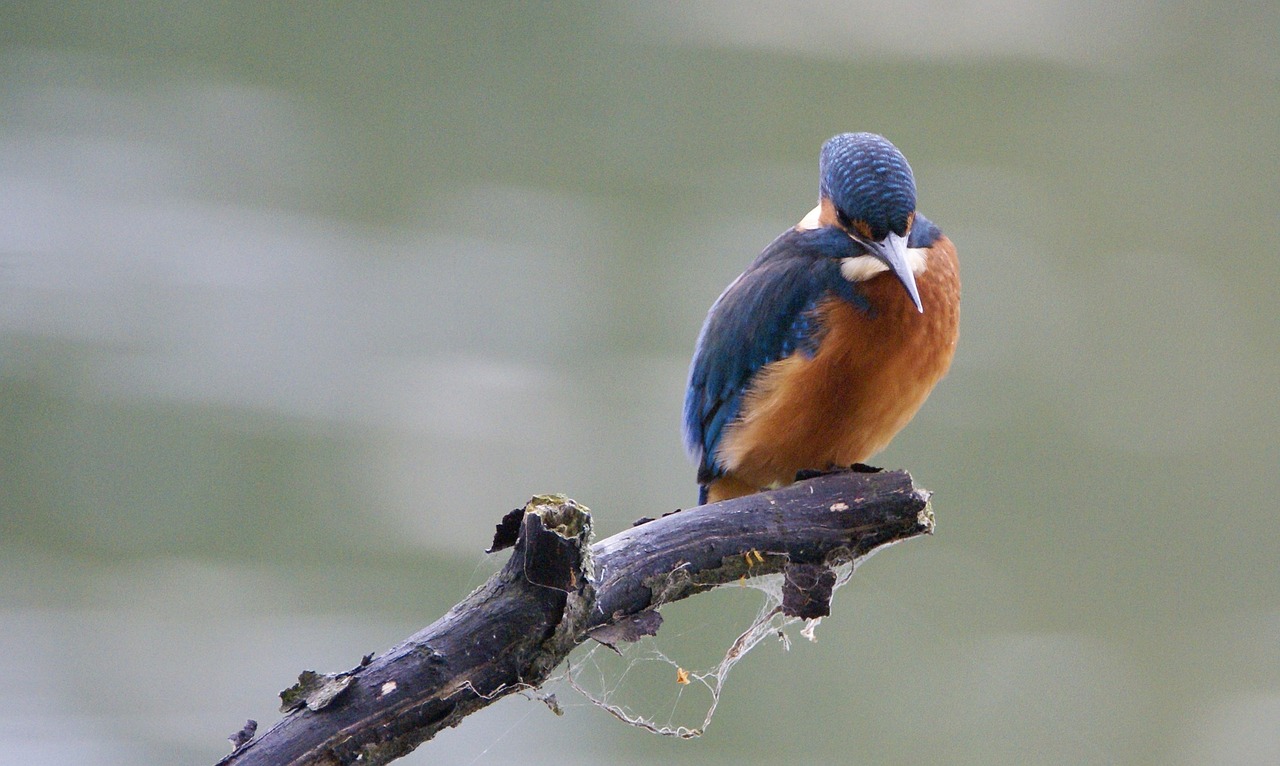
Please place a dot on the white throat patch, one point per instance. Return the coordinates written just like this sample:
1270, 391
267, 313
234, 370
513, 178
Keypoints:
860, 268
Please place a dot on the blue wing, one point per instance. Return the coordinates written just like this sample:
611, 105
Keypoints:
767, 314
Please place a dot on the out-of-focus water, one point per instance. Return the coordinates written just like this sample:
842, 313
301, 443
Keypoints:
296, 301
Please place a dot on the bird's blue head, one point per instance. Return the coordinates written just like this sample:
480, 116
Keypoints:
870, 186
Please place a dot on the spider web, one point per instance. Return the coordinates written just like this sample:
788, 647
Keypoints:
655, 671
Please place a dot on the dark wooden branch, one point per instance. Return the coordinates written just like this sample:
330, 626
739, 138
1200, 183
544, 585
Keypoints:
556, 590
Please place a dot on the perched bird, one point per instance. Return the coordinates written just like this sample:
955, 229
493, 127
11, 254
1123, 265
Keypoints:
829, 342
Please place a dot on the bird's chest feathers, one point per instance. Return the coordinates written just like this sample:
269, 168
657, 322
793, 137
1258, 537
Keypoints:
873, 364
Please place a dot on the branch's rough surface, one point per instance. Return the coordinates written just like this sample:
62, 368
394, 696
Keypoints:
557, 590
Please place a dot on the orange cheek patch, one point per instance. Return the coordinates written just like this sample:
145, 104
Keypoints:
827, 213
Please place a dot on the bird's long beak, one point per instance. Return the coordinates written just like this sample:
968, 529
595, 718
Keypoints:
892, 251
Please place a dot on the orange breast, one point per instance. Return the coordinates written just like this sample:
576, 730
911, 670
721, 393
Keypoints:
868, 378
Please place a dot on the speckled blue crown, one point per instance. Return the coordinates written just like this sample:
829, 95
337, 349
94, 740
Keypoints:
868, 180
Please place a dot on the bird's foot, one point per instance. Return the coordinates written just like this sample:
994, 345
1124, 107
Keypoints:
810, 473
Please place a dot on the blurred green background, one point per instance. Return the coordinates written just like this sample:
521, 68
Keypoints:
297, 299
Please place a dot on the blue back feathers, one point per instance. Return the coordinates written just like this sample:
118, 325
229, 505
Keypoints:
767, 314
868, 180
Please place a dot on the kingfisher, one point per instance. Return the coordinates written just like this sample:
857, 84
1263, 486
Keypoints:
831, 340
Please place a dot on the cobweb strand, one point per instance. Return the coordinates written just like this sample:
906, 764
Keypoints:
769, 621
